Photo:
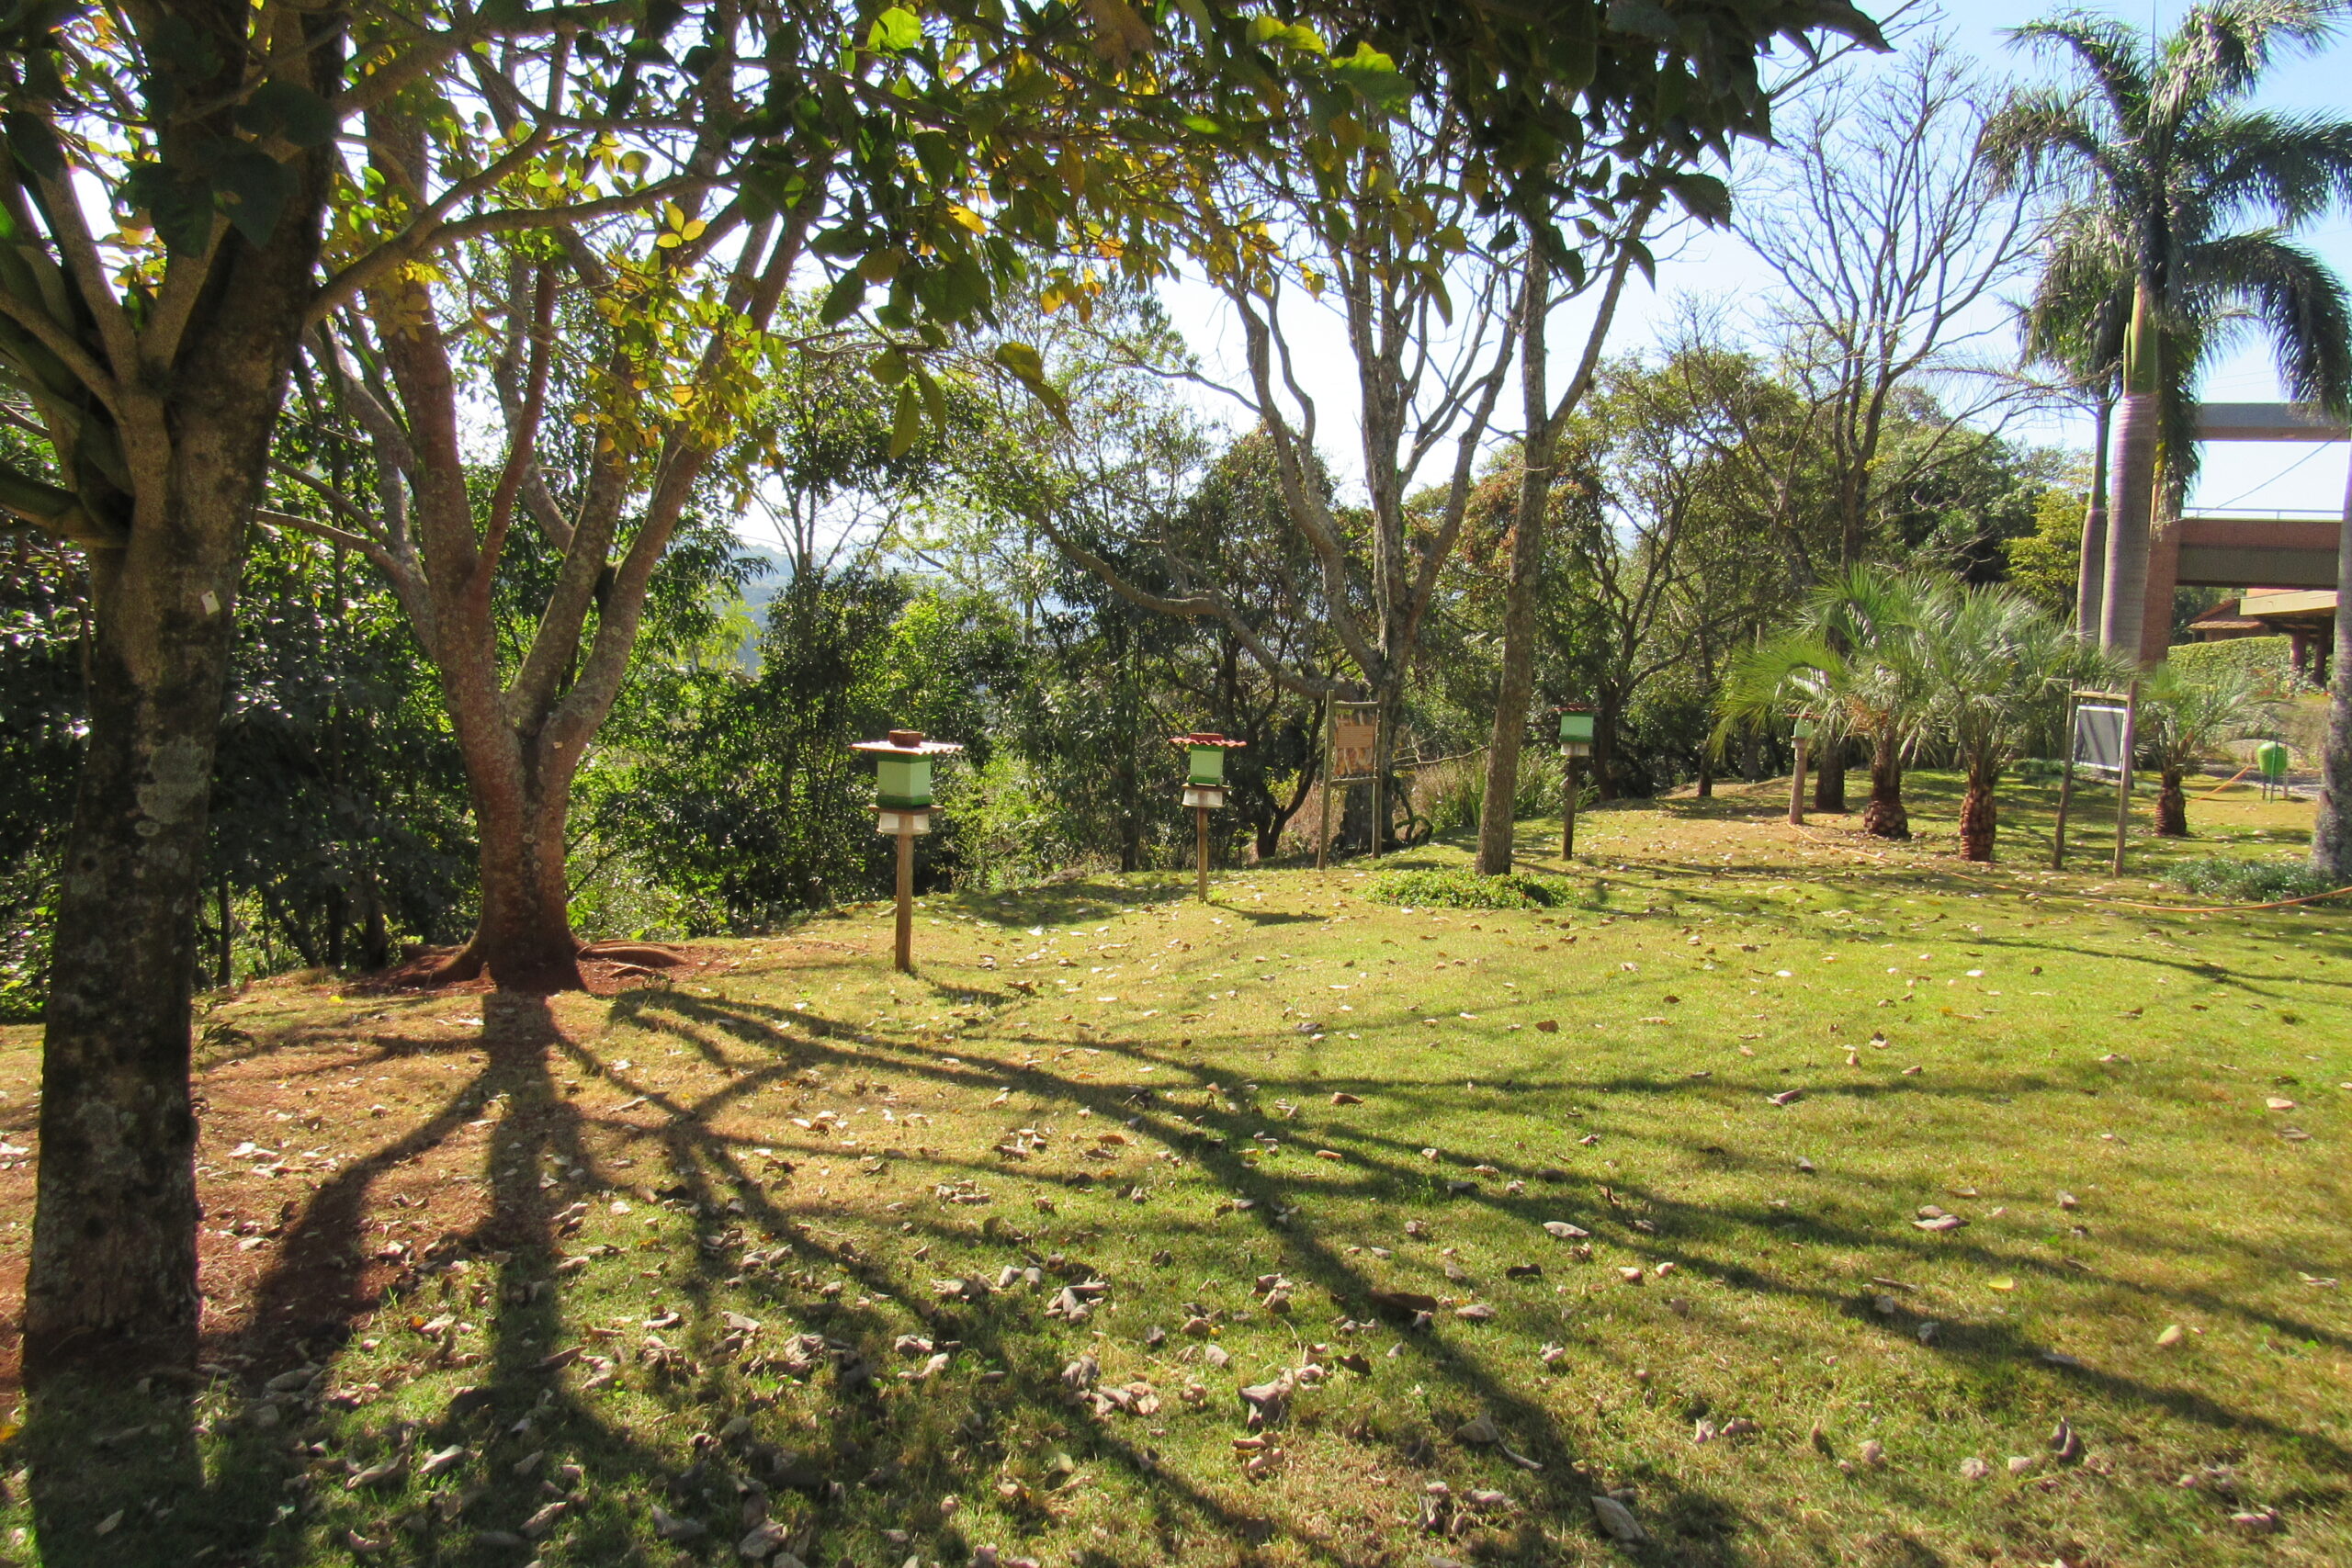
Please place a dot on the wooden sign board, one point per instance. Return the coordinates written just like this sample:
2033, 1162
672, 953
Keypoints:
1352, 746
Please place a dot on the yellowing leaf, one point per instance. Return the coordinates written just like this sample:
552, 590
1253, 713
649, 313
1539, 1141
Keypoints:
2003, 1283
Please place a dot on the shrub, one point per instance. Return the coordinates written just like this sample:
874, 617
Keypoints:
2039, 770
2249, 881
1450, 795
1463, 890
2270, 659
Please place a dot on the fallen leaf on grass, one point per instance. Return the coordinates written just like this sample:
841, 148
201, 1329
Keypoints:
1618, 1521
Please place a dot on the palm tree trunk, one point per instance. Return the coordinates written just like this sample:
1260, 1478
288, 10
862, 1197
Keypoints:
1978, 816
1884, 817
2090, 573
2332, 836
2134, 486
2172, 805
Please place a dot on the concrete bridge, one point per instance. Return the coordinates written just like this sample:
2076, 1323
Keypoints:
2275, 549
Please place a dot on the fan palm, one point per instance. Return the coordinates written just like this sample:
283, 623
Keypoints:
2187, 714
2175, 236
1997, 668
1851, 662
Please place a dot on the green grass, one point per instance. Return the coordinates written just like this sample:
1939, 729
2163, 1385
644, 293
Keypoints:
1107, 1081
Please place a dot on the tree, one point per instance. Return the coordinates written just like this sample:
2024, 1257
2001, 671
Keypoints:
1545, 421
1996, 667
1639, 478
1887, 242
2182, 199
2185, 715
152, 358
1854, 663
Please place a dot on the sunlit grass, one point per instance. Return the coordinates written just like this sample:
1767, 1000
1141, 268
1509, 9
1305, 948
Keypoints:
1742, 1059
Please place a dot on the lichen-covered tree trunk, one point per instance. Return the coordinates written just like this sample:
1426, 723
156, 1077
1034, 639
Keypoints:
112, 1283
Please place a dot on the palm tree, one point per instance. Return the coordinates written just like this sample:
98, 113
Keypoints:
2182, 199
1998, 668
1851, 662
2185, 715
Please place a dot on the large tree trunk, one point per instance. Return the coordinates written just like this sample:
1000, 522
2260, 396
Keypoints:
523, 939
1829, 778
1497, 818
111, 1286
112, 1283
2172, 805
1978, 817
2133, 489
2090, 571
113, 1275
2332, 834
1884, 816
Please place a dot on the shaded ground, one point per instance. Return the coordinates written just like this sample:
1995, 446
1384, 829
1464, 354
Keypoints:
634, 1280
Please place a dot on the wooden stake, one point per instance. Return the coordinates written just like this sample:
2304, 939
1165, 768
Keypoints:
1378, 726
1569, 811
906, 895
1201, 820
2123, 774
1796, 784
2065, 788
1323, 842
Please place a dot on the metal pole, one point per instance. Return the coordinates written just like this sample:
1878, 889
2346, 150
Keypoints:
1201, 819
906, 895
2123, 783
1323, 841
2065, 788
1796, 784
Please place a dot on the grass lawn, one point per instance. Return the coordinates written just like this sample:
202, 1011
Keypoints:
790, 1256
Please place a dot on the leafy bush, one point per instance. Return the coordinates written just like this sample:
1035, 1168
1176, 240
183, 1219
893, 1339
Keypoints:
2249, 881
1463, 890
1450, 795
2270, 659
2039, 770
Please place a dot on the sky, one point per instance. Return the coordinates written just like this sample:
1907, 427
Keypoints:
1716, 267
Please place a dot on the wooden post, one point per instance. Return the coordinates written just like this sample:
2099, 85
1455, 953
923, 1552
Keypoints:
906, 895
1796, 784
2123, 778
1323, 841
2065, 789
1201, 819
1379, 724
1569, 811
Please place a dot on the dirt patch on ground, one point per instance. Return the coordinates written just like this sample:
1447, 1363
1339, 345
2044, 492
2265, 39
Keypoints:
607, 968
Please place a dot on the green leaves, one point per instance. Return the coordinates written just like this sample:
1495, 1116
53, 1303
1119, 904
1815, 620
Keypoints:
290, 110
253, 187
34, 145
906, 420
1373, 76
178, 206
894, 31
1703, 197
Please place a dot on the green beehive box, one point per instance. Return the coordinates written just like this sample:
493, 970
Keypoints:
903, 783
1208, 767
1575, 728
1802, 728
